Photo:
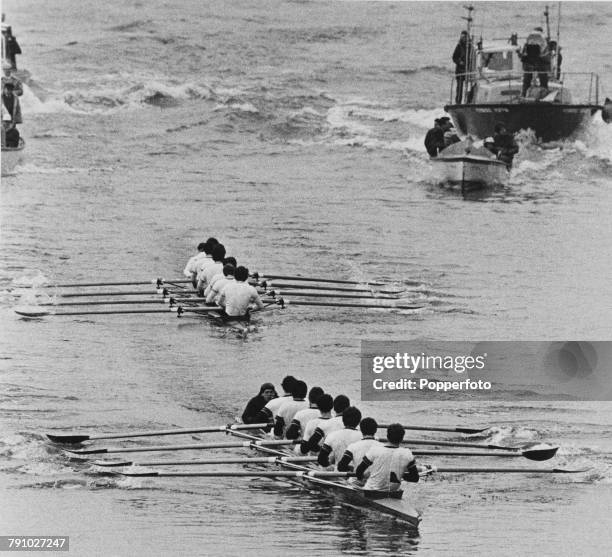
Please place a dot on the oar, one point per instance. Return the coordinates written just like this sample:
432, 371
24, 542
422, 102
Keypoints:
467, 430
472, 445
88, 284
539, 456
447, 469
240, 474
202, 446
108, 293
348, 305
371, 296
311, 279
157, 301
38, 312
158, 281
72, 438
267, 284
233, 460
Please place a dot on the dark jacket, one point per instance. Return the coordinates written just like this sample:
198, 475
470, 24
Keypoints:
252, 409
434, 141
505, 147
460, 57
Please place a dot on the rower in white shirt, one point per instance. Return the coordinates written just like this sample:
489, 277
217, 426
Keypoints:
211, 268
302, 417
317, 429
289, 408
268, 413
336, 442
193, 265
388, 464
238, 297
218, 282
354, 453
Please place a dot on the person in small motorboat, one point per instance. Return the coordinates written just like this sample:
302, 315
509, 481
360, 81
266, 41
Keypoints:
212, 268
289, 408
536, 59
505, 145
450, 133
267, 392
302, 417
489, 145
11, 111
388, 464
355, 452
336, 442
268, 413
238, 296
434, 139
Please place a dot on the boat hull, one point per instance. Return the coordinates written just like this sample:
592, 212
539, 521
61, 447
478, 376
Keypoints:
469, 172
549, 121
394, 506
11, 157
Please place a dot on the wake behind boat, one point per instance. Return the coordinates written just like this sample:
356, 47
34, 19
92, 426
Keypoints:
463, 164
522, 88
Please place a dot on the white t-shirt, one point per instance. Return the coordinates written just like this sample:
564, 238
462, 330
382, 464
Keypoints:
236, 298
338, 441
385, 461
288, 409
194, 263
303, 417
358, 450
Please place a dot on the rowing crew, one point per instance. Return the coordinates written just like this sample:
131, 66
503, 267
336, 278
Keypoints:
221, 281
334, 438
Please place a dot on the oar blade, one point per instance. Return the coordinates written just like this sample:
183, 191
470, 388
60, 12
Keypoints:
112, 463
540, 455
470, 431
32, 311
67, 439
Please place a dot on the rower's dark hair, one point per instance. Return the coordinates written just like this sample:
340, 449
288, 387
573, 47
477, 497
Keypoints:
230, 260
368, 426
351, 417
288, 382
218, 252
314, 394
242, 273
325, 403
341, 403
299, 389
201, 246
212, 242
499, 127
229, 270
395, 433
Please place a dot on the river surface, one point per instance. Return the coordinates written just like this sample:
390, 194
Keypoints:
292, 131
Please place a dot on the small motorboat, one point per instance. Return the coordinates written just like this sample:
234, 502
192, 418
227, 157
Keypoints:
463, 164
11, 157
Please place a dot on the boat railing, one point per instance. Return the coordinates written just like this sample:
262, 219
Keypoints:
584, 87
